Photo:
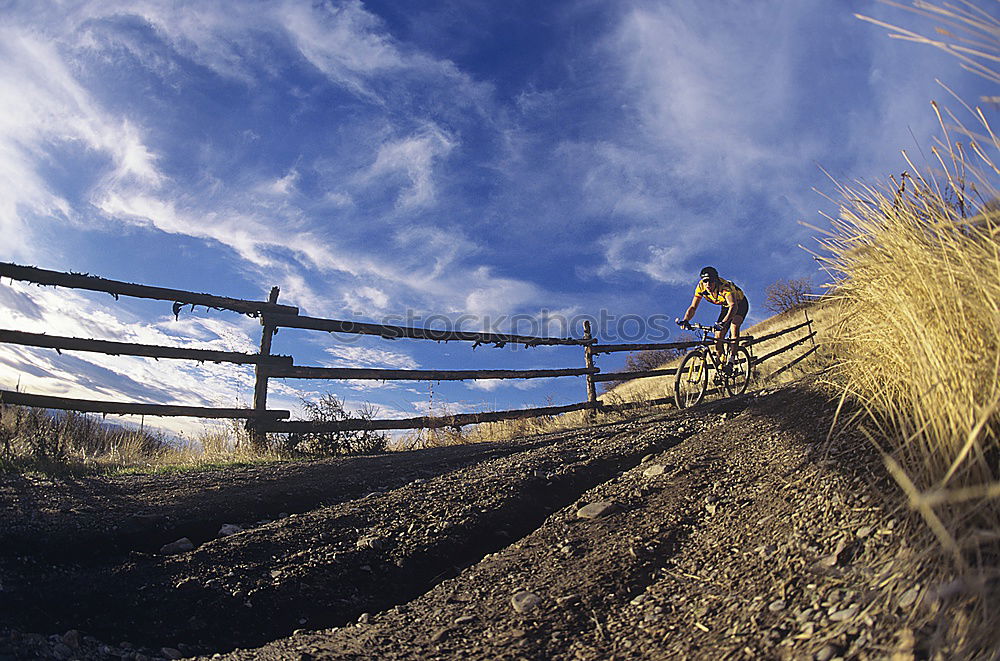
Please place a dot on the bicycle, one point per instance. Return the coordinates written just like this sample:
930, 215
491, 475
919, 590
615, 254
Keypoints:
691, 381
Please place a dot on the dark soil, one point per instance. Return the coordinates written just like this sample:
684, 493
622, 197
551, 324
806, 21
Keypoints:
735, 530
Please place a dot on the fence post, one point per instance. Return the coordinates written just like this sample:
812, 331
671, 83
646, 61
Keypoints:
589, 356
809, 325
260, 386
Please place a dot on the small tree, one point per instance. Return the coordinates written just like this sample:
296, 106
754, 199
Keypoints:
329, 408
784, 295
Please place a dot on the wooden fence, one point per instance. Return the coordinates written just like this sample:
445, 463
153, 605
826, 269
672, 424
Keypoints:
267, 366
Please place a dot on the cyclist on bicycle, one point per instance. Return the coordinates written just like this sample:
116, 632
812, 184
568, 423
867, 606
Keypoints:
735, 307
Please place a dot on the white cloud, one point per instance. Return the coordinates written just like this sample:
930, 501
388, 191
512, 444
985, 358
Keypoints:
414, 158
45, 108
354, 356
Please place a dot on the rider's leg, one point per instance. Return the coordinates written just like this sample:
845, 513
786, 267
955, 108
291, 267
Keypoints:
739, 314
720, 348
734, 325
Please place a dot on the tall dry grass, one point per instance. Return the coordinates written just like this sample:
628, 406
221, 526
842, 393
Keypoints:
36, 440
916, 264
916, 268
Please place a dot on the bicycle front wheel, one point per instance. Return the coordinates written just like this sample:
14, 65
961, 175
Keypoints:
739, 378
691, 381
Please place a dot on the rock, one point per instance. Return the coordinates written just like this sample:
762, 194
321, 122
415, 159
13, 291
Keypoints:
909, 597
525, 601
364, 618
465, 619
171, 653
182, 545
72, 639
826, 653
711, 507
648, 457
440, 634
769, 550
654, 470
568, 599
62, 651
597, 510
373, 543
711, 498
844, 614
863, 532
228, 529
776, 605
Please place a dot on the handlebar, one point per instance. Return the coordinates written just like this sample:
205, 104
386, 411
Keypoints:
701, 328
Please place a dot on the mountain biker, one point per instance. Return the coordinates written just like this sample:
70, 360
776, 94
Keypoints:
735, 307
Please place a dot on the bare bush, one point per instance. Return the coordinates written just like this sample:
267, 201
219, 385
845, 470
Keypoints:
784, 295
329, 408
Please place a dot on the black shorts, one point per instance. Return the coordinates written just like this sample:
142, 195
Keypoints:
742, 308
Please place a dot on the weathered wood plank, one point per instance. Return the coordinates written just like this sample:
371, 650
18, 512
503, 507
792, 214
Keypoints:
628, 376
61, 343
126, 408
627, 406
118, 288
771, 336
808, 353
374, 374
613, 348
396, 332
783, 349
303, 427
588, 356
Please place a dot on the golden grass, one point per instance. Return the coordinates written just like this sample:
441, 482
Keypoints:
918, 271
916, 265
34, 440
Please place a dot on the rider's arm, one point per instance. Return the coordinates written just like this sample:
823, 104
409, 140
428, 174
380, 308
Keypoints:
694, 306
731, 304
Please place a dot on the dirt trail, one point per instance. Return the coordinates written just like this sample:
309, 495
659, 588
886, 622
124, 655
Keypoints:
733, 530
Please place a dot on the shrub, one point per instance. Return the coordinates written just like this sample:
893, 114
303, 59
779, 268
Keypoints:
329, 408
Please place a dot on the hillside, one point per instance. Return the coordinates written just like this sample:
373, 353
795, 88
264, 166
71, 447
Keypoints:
733, 529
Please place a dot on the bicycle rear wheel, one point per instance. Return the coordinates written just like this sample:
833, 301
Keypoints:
739, 378
691, 381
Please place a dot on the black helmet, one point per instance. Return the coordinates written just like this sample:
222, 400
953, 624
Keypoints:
709, 273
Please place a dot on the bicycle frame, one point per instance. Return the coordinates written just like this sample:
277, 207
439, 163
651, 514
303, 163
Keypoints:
732, 377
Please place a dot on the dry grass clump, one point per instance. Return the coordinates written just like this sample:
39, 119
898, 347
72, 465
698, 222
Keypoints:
916, 263
36, 440
917, 269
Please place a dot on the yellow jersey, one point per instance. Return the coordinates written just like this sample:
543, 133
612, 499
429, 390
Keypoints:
719, 298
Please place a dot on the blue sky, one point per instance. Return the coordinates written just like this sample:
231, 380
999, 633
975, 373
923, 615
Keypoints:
400, 160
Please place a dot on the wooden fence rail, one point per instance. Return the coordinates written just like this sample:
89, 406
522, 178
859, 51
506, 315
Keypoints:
391, 332
60, 343
273, 316
118, 288
127, 408
460, 420
332, 373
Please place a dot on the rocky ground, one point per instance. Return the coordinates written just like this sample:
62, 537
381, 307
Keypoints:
737, 529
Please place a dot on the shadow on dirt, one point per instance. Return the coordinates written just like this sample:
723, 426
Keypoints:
246, 593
